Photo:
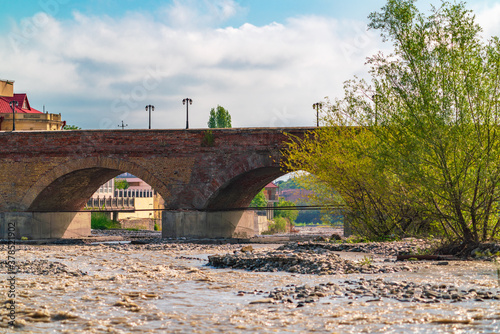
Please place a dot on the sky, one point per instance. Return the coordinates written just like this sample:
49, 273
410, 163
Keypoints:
100, 62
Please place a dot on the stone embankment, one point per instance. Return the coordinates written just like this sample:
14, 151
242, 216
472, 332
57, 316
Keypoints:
302, 258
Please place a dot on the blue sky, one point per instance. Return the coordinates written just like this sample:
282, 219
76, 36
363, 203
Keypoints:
99, 62
258, 12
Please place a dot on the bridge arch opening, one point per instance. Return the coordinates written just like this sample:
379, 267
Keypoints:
239, 191
126, 201
58, 209
68, 187
71, 191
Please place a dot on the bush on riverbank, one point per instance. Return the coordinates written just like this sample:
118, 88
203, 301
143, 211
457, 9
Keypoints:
99, 221
279, 225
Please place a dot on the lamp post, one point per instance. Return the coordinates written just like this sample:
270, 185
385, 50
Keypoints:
124, 125
13, 105
187, 101
149, 107
317, 106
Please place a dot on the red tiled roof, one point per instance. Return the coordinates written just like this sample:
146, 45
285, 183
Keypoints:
21, 99
271, 185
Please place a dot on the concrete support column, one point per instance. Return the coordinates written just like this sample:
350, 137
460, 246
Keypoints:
205, 224
45, 225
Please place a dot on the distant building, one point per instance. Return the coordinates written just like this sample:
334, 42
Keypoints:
106, 190
138, 201
26, 117
271, 193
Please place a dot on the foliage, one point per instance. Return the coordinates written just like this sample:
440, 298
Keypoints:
278, 225
308, 217
291, 215
416, 151
291, 183
259, 201
121, 184
208, 139
71, 127
100, 221
219, 118
366, 261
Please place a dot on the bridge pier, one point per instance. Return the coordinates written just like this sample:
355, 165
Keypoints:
45, 225
208, 224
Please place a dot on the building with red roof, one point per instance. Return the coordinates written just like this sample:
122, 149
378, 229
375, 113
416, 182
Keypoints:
26, 117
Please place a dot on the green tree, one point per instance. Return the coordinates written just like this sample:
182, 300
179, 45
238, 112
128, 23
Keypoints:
121, 184
417, 148
291, 215
71, 127
259, 201
219, 118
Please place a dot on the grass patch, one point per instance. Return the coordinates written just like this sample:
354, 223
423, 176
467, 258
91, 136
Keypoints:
99, 221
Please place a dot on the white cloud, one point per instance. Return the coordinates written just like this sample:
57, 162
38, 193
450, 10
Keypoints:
97, 71
487, 17
191, 14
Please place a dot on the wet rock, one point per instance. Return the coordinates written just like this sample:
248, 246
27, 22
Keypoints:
246, 249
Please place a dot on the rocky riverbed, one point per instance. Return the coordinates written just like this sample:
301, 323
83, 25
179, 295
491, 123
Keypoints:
171, 287
307, 258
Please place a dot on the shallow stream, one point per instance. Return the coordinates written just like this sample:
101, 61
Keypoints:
168, 288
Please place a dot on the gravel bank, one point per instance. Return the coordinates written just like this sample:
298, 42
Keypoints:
375, 290
307, 258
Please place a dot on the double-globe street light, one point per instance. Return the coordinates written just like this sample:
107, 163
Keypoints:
13, 105
317, 106
187, 101
150, 107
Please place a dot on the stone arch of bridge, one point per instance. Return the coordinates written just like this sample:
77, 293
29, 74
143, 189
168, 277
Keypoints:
238, 191
67, 187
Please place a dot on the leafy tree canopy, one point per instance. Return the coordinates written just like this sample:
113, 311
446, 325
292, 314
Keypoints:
121, 184
259, 200
71, 127
415, 150
291, 215
219, 118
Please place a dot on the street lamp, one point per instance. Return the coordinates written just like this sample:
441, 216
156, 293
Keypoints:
13, 105
150, 107
317, 106
187, 101
125, 125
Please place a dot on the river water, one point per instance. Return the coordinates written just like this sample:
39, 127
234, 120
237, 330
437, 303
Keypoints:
169, 289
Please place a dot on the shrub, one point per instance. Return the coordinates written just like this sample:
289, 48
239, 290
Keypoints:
100, 221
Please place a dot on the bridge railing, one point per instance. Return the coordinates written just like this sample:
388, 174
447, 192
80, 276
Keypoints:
111, 203
134, 193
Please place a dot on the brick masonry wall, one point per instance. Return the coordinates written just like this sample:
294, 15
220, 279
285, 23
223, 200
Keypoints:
54, 171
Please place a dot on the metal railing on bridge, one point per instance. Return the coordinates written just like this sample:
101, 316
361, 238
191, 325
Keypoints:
111, 204
134, 193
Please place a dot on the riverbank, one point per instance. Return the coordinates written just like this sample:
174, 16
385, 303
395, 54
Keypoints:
170, 287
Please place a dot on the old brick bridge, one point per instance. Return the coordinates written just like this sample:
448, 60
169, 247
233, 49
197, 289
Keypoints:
46, 177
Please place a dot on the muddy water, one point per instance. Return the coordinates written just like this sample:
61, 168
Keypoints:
154, 289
